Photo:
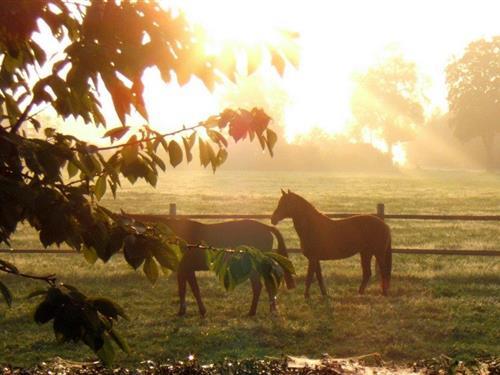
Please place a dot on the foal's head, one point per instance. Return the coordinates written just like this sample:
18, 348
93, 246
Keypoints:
284, 207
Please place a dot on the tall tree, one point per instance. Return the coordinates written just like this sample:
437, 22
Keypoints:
54, 181
388, 100
474, 93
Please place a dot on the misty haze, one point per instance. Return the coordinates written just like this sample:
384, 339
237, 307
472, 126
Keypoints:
260, 187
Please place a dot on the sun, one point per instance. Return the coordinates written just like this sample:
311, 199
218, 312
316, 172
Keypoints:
233, 22
337, 40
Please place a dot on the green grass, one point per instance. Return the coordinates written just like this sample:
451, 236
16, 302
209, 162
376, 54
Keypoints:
438, 304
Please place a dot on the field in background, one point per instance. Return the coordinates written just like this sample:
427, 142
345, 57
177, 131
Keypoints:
438, 304
426, 192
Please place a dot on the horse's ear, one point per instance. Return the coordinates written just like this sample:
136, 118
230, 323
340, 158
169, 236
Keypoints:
289, 191
283, 192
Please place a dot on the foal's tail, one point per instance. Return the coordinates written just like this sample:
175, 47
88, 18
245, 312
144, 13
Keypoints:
290, 282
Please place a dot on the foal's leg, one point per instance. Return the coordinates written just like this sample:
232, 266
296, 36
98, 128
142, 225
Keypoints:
366, 260
191, 278
256, 289
311, 267
319, 276
181, 285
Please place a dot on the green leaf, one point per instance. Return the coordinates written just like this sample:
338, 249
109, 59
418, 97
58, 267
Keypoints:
72, 169
282, 261
131, 150
106, 353
228, 281
241, 268
89, 254
100, 187
133, 253
120, 341
272, 138
36, 293
45, 312
151, 270
174, 153
117, 133
278, 62
164, 143
158, 161
9, 266
217, 137
7, 295
221, 156
204, 154
187, 149
168, 256
12, 109
108, 308
49, 132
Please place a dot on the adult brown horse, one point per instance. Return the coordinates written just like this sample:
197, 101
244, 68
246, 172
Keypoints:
322, 238
229, 234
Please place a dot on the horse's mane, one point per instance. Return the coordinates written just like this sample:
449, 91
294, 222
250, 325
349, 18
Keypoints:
305, 203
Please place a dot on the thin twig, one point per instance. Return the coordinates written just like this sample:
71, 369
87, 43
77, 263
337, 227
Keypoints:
148, 139
50, 279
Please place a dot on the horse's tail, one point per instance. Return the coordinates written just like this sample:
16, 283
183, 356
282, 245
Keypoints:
282, 250
386, 267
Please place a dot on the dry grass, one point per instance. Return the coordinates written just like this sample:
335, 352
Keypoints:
438, 304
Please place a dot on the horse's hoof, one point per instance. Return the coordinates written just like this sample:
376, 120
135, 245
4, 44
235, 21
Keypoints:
307, 297
181, 313
203, 313
251, 314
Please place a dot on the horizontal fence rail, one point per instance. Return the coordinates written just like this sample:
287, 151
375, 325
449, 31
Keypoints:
332, 216
291, 251
380, 212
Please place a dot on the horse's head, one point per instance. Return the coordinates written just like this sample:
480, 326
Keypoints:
283, 210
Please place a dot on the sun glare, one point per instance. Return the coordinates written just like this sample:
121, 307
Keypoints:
230, 21
337, 39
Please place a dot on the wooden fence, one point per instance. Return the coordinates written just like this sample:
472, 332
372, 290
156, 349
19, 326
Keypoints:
380, 211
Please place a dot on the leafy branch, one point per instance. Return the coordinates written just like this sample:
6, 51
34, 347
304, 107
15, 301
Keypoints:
75, 316
11, 269
107, 44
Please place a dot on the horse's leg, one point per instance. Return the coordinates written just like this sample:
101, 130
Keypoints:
256, 289
311, 266
272, 302
384, 260
366, 260
181, 285
319, 276
191, 278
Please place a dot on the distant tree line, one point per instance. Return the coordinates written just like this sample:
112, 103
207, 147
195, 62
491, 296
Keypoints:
389, 101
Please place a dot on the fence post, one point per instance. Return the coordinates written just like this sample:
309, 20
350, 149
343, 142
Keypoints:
172, 209
381, 210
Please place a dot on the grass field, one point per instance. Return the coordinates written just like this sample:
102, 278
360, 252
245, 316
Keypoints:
438, 304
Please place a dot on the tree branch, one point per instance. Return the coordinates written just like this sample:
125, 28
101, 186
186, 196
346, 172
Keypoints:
184, 129
23, 117
50, 279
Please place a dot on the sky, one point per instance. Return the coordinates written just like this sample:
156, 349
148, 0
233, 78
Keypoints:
337, 39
